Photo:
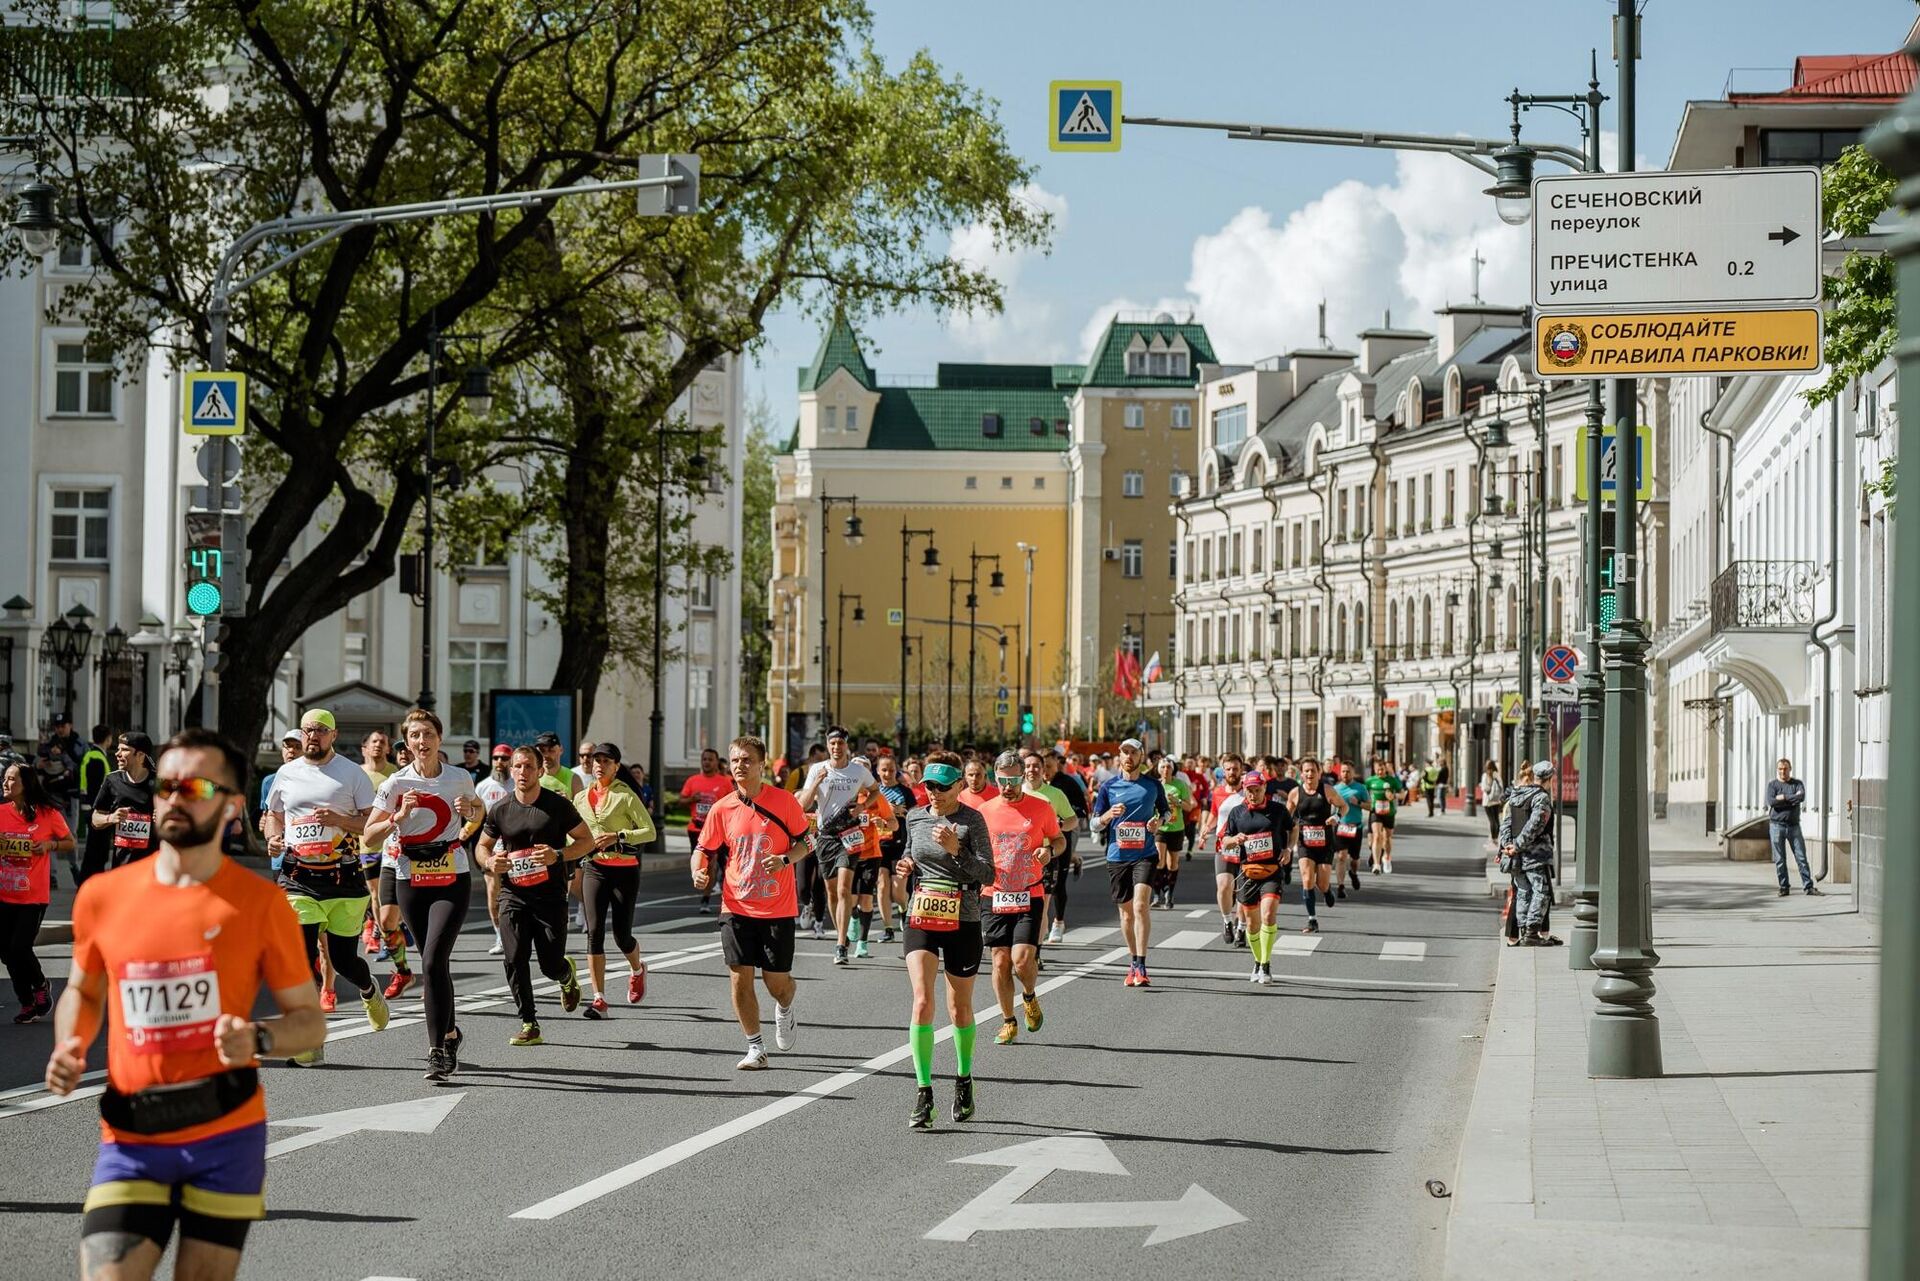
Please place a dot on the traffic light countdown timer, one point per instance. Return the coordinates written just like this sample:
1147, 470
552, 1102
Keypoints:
205, 564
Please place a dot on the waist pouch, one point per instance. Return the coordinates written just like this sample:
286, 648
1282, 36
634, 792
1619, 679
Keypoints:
164, 1108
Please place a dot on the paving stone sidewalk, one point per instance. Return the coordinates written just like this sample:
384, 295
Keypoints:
1748, 1160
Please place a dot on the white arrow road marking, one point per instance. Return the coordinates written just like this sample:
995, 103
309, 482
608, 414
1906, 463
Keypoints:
998, 1209
409, 1116
666, 1158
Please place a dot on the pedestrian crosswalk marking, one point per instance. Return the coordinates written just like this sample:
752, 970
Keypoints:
1197, 913
1403, 950
1190, 939
676, 924
1296, 944
1089, 933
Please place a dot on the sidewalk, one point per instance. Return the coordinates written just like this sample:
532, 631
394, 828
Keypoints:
1749, 1160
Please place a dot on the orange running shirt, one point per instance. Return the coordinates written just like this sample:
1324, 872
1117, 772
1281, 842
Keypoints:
748, 837
175, 958
1020, 831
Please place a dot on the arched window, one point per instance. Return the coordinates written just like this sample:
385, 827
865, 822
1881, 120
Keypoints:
1359, 631
1446, 634
1393, 626
1559, 620
1451, 409
1340, 634
1513, 614
1489, 631
1426, 627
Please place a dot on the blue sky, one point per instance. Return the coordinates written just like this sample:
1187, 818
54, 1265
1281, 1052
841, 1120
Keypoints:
1250, 236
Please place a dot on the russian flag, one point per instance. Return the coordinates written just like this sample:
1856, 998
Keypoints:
1152, 671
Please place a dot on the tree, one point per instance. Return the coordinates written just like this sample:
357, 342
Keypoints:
1861, 324
756, 560
826, 173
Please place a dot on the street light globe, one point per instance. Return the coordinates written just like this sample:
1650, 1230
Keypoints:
854, 536
476, 389
996, 582
1512, 190
859, 615
33, 218
1513, 210
930, 561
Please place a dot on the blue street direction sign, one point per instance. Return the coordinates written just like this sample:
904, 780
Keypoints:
216, 404
1559, 663
1085, 115
1610, 464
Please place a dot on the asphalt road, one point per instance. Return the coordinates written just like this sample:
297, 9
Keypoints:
1288, 1129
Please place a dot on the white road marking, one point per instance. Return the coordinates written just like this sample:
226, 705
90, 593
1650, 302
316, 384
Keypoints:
408, 1116
1174, 972
1090, 933
1403, 950
677, 923
1296, 944
1191, 940
1197, 913
627, 1175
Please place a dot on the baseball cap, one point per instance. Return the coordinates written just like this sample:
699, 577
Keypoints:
291, 736
318, 716
609, 750
474, 743
547, 738
139, 742
1134, 743
503, 749
1252, 779
941, 774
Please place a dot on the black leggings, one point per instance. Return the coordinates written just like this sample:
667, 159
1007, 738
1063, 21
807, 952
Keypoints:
809, 885
19, 926
530, 929
435, 915
604, 892
344, 951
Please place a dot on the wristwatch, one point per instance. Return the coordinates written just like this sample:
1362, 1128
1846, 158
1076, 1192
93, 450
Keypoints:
262, 1041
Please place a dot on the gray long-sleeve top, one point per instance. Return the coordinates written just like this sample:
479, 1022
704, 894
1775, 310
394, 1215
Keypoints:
1784, 800
971, 866
1527, 823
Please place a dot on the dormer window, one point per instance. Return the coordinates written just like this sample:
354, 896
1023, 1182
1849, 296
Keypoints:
1177, 364
990, 426
1157, 364
1037, 426
853, 418
1136, 364
829, 419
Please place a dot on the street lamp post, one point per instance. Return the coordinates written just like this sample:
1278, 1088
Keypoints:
854, 538
1026, 657
946, 725
179, 663
65, 644
930, 562
477, 391
997, 582
840, 646
657, 717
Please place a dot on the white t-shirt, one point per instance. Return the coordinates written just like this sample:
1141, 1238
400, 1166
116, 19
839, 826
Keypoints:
1233, 801
434, 818
302, 787
837, 787
491, 790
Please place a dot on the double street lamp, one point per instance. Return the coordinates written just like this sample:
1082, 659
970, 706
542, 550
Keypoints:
66, 643
930, 563
996, 583
854, 536
840, 647
1532, 525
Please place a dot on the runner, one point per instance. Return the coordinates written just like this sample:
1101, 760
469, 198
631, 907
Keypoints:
1385, 791
124, 804
1173, 834
382, 936
949, 856
491, 790
610, 885
1348, 828
901, 798
426, 873
1226, 863
829, 794
1256, 833
183, 1120
753, 832
861, 844
318, 804
1026, 838
1067, 783
32, 831
554, 774
1129, 809
1313, 805
1040, 779
700, 791
979, 789
528, 839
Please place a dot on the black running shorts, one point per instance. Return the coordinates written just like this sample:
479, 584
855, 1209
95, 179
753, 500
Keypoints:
958, 948
1012, 929
765, 943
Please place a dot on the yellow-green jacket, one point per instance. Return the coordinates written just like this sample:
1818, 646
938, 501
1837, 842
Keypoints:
619, 811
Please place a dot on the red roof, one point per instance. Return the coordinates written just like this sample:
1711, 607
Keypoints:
1845, 77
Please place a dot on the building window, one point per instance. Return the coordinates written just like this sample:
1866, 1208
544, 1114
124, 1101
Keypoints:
1259, 550
1132, 558
1181, 416
1136, 363
1039, 482
1313, 545
1206, 560
1177, 363
1340, 518
990, 425
1229, 424
1157, 364
1037, 426
699, 726
1805, 146
1133, 484
1134, 416
973, 482
475, 668
1173, 558
1006, 482
829, 418
1426, 502
853, 418
1556, 488
80, 524
1061, 427
700, 590
82, 380
1450, 498
1179, 483
1238, 542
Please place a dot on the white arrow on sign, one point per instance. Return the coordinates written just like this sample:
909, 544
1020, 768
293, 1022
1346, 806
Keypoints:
998, 1209
410, 1116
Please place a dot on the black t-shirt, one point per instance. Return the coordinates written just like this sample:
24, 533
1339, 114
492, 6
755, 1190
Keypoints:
1071, 789
516, 825
900, 797
134, 838
1271, 820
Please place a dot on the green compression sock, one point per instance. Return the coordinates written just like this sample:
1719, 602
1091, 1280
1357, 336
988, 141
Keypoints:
920, 1036
963, 1048
1268, 935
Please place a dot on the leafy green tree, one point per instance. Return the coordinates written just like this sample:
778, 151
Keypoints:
1861, 323
756, 560
828, 177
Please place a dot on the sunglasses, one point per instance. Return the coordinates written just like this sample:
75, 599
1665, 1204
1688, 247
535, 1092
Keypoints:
503, 756
188, 789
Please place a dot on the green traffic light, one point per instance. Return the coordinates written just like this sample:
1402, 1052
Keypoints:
1609, 609
203, 598
1026, 723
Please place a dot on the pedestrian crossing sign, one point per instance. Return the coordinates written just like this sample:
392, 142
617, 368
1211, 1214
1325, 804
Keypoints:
216, 404
1511, 709
1085, 115
1610, 463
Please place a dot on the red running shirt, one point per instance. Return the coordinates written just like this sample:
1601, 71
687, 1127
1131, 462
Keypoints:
748, 837
23, 873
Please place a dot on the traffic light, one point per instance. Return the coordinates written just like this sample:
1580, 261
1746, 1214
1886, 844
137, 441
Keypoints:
1026, 718
206, 564
1609, 591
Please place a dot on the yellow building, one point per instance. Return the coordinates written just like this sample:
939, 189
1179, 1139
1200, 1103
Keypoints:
983, 476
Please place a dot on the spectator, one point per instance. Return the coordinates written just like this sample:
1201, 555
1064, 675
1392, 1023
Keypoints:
60, 763
1526, 854
1443, 781
470, 761
1493, 795
1785, 795
1430, 784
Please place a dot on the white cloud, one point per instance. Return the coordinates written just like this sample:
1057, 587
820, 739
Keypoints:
1025, 329
1404, 246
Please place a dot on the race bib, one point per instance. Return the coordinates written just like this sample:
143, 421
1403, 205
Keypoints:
312, 841
1383, 807
935, 906
701, 810
430, 870
170, 1006
1313, 837
16, 847
1130, 836
1010, 902
526, 870
133, 831
854, 839
1258, 848
1348, 829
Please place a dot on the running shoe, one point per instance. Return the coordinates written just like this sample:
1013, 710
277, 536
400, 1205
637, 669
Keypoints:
383, 953
704, 909
1253, 976
437, 1068
819, 929
499, 948
1143, 980
399, 983
1386, 865
1227, 929
312, 1058
806, 919
367, 939
1239, 935
755, 1061
785, 1026
963, 1098
637, 985
922, 1118
451, 1048
529, 1034
1054, 935
840, 954
376, 1007
853, 930
1311, 927
596, 1008
1133, 973
861, 951
1034, 1017
1266, 976
329, 1002
886, 935
1009, 1028
570, 989
1340, 891
29, 1013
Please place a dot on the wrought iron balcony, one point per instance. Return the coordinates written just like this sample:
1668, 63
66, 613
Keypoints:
45, 64
1763, 595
